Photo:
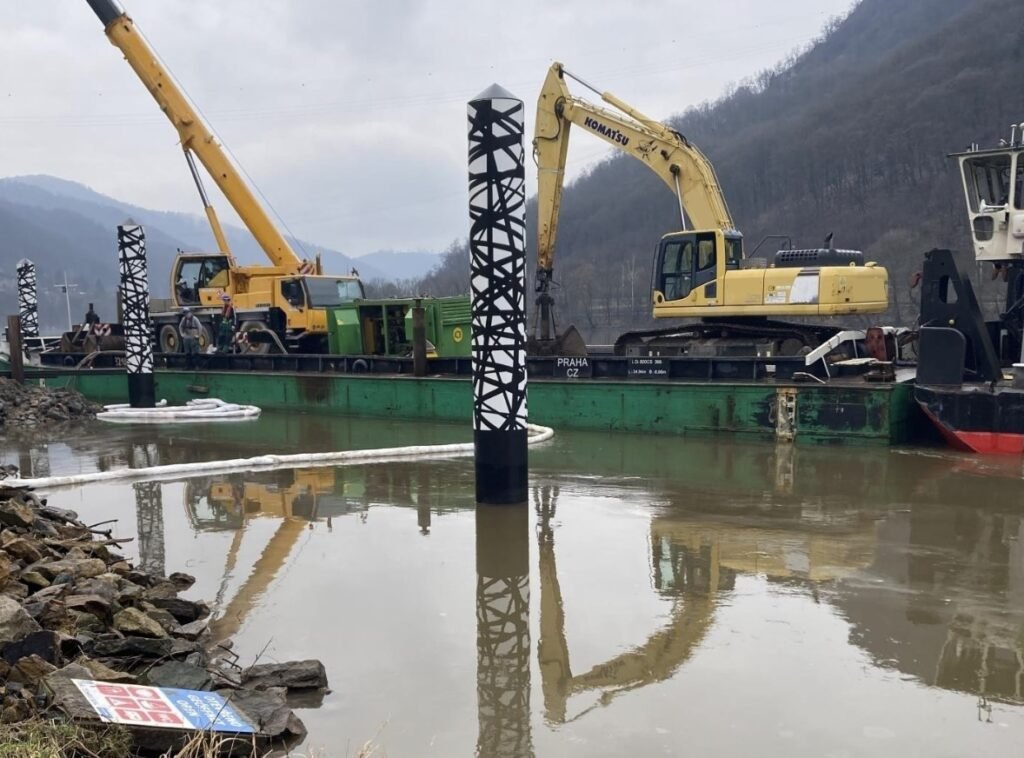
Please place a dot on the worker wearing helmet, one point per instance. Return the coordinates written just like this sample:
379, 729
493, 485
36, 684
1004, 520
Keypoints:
226, 327
189, 329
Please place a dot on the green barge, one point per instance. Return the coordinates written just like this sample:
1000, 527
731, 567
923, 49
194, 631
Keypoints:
836, 412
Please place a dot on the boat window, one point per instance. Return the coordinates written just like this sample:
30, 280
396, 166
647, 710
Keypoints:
987, 179
326, 292
1018, 191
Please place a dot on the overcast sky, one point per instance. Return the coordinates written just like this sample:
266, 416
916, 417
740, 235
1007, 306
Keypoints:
351, 116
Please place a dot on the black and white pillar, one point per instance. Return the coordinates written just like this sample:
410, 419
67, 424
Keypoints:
503, 632
497, 210
138, 344
28, 299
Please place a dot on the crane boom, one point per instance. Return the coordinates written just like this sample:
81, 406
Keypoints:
196, 138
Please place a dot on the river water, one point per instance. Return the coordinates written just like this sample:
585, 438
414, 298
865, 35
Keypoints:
658, 596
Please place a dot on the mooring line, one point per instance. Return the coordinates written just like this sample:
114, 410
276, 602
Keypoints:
176, 471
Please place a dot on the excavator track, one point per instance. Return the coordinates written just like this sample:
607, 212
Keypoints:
725, 337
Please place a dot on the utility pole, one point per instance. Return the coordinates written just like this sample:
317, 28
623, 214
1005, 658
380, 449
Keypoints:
66, 288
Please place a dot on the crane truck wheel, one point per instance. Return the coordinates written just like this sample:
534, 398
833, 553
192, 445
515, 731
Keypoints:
250, 342
170, 341
205, 338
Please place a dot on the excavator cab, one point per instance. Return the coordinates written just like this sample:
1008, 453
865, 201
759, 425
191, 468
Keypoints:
689, 262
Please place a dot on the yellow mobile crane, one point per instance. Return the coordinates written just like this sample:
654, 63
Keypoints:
282, 305
699, 272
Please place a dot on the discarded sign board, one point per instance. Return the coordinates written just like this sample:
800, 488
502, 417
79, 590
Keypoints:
168, 707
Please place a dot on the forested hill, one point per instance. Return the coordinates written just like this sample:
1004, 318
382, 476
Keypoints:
848, 137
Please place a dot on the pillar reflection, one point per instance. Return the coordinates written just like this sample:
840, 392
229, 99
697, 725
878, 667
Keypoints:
503, 631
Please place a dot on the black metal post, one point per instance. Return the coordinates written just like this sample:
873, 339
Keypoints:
419, 339
138, 344
497, 203
17, 357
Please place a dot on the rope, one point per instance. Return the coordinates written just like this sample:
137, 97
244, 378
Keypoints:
205, 409
536, 434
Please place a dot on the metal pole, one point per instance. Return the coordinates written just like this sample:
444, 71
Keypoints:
497, 203
67, 298
28, 299
138, 344
17, 357
419, 339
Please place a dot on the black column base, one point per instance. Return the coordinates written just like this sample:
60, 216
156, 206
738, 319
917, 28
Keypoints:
502, 473
141, 391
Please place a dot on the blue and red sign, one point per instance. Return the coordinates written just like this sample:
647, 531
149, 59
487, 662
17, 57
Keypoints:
162, 707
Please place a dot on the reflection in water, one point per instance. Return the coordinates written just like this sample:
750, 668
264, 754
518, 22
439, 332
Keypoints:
961, 624
503, 631
689, 574
882, 568
149, 511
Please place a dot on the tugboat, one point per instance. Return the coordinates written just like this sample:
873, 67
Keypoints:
970, 376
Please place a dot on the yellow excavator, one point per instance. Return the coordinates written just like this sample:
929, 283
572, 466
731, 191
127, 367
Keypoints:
700, 271
283, 306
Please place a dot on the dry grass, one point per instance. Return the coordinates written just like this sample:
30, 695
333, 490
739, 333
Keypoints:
38, 738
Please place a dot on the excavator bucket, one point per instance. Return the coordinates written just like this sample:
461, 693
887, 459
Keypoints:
569, 343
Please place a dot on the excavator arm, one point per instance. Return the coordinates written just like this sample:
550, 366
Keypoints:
683, 168
196, 138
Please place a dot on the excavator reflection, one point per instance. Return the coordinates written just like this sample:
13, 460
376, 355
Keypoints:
694, 562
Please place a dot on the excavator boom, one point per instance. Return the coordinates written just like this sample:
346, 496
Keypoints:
196, 138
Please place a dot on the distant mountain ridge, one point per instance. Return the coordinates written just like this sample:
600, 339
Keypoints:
64, 226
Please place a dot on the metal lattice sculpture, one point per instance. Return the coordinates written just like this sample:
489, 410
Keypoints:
503, 632
138, 342
497, 206
28, 299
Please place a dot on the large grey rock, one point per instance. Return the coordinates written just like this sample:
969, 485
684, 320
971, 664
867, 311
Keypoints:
45, 644
103, 673
134, 622
267, 711
75, 567
30, 670
179, 674
146, 647
26, 550
95, 604
15, 622
8, 567
13, 513
185, 611
293, 675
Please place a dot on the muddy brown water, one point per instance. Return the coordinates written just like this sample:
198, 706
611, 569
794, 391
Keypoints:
657, 596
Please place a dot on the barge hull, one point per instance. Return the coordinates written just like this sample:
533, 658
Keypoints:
855, 413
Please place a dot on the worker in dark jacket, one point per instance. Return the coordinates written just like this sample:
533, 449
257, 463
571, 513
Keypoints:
189, 328
226, 327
